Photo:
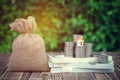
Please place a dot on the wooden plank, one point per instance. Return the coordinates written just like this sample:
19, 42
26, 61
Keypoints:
52, 76
34, 76
71, 76
84, 76
90, 76
112, 76
117, 70
45, 75
100, 76
40, 76
26, 75
108, 76
5, 75
13, 76
4, 58
58, 76
3, 67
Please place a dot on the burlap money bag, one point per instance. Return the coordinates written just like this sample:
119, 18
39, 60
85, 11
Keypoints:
28, 49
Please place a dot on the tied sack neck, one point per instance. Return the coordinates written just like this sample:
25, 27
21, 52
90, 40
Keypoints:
24, 25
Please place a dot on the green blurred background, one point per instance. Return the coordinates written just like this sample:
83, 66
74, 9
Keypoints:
97, 20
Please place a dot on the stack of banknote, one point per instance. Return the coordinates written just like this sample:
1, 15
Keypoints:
60, 63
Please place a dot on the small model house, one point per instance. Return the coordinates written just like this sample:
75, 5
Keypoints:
80, 41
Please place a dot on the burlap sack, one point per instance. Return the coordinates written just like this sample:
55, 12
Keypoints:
28, 49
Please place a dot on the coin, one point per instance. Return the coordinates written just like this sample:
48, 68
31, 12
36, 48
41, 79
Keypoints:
79, 51
88, 49
68, 51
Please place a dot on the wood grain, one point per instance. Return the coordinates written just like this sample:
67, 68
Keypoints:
7, 75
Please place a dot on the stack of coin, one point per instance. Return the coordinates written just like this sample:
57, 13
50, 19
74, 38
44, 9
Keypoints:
68, 49
88, 49
102, 59
76, 36
79, 51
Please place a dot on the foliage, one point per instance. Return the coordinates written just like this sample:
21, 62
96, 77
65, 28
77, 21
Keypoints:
58, 20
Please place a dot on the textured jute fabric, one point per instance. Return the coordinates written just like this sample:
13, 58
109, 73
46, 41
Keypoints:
28, 49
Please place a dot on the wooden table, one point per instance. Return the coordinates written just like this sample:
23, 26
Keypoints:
6, 75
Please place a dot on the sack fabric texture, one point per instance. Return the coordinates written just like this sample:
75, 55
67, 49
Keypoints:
28, 49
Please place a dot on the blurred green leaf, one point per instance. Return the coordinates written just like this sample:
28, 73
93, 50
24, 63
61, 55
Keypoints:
58, 20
